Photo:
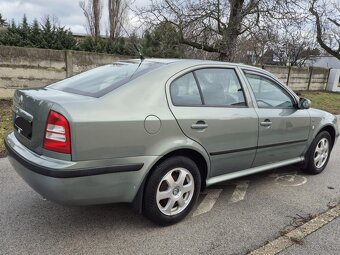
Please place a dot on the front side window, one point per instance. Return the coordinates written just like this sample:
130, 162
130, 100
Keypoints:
220, 87
269, 94
184, 91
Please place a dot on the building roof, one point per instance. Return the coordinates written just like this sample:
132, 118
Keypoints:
324, 61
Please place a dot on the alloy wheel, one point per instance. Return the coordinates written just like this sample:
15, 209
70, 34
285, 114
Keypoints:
175, 191
321, 153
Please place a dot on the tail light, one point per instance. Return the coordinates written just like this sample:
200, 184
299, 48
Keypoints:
57, 133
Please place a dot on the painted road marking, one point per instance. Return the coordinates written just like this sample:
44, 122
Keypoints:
239, 192
291, 180
208, 202
213, 194
288, 178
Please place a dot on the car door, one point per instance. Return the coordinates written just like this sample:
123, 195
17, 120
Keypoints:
211, 108
283, 128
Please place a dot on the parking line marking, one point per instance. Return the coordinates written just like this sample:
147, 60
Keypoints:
208, 202
239, 192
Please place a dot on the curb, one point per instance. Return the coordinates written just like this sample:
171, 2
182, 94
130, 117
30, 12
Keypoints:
295, 236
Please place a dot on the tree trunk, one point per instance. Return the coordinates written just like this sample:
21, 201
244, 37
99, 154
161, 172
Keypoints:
115, 7
92, 12
232, 31
96, 15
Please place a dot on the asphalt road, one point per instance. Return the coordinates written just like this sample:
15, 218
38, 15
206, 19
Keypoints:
266, 206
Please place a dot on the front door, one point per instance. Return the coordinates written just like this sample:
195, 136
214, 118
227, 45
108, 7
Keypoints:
211, 108
283, 128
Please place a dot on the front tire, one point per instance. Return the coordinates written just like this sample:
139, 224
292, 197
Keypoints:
171, 190
318, 153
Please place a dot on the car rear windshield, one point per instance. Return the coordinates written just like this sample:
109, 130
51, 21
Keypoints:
101, 80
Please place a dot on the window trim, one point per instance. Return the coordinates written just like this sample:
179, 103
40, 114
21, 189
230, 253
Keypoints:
199, 87
200, 90
278, 84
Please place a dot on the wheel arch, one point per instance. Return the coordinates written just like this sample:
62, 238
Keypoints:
193, 154
330, 129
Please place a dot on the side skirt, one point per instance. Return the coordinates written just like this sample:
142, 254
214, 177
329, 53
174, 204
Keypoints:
254, 170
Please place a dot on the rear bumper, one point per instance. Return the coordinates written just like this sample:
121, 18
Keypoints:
79, 183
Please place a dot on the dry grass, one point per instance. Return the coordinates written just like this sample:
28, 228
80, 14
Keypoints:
5, 122
328, 101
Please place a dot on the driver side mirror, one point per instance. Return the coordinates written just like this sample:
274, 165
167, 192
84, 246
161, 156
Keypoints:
304, 103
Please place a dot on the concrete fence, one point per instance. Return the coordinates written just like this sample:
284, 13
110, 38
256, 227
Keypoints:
301, 78
32, 67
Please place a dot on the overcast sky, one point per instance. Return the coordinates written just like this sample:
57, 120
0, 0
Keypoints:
68, 12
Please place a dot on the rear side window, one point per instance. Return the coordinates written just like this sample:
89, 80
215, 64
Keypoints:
101, 80
184, 91
220, 87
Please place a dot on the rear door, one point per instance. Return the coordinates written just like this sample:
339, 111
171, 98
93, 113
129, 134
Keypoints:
283, 128
212, 108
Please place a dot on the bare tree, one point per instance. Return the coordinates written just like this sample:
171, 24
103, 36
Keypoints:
215, 25
92, 11
117, 13
327, 22
293, 44
254, 47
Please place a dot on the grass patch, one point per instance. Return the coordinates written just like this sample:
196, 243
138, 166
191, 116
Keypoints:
5, 122
328, 101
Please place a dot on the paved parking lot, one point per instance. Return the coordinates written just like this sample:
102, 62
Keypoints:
231, 218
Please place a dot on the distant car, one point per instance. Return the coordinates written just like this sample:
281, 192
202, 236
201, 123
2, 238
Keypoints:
155, 133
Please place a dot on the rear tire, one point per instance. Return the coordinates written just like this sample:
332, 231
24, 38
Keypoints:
318, 154
171, 190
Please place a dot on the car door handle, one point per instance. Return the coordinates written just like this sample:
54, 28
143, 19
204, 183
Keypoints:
266, 123
199, 125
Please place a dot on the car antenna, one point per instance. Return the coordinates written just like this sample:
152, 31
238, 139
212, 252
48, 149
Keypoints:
141, 57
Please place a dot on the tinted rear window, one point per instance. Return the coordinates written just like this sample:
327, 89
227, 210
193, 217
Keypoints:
101, 80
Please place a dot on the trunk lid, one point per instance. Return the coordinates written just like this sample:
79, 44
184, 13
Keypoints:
30, 111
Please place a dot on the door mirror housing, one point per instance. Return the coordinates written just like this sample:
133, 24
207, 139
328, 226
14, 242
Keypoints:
304, 103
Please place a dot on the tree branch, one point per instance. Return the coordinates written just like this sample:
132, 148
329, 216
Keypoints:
319, 33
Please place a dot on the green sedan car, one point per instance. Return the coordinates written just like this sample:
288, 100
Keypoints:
155, 132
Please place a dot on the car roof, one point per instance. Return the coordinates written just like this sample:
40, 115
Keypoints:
192, 62
187, 63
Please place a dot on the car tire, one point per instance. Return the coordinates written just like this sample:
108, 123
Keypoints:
318, 154
171, 190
